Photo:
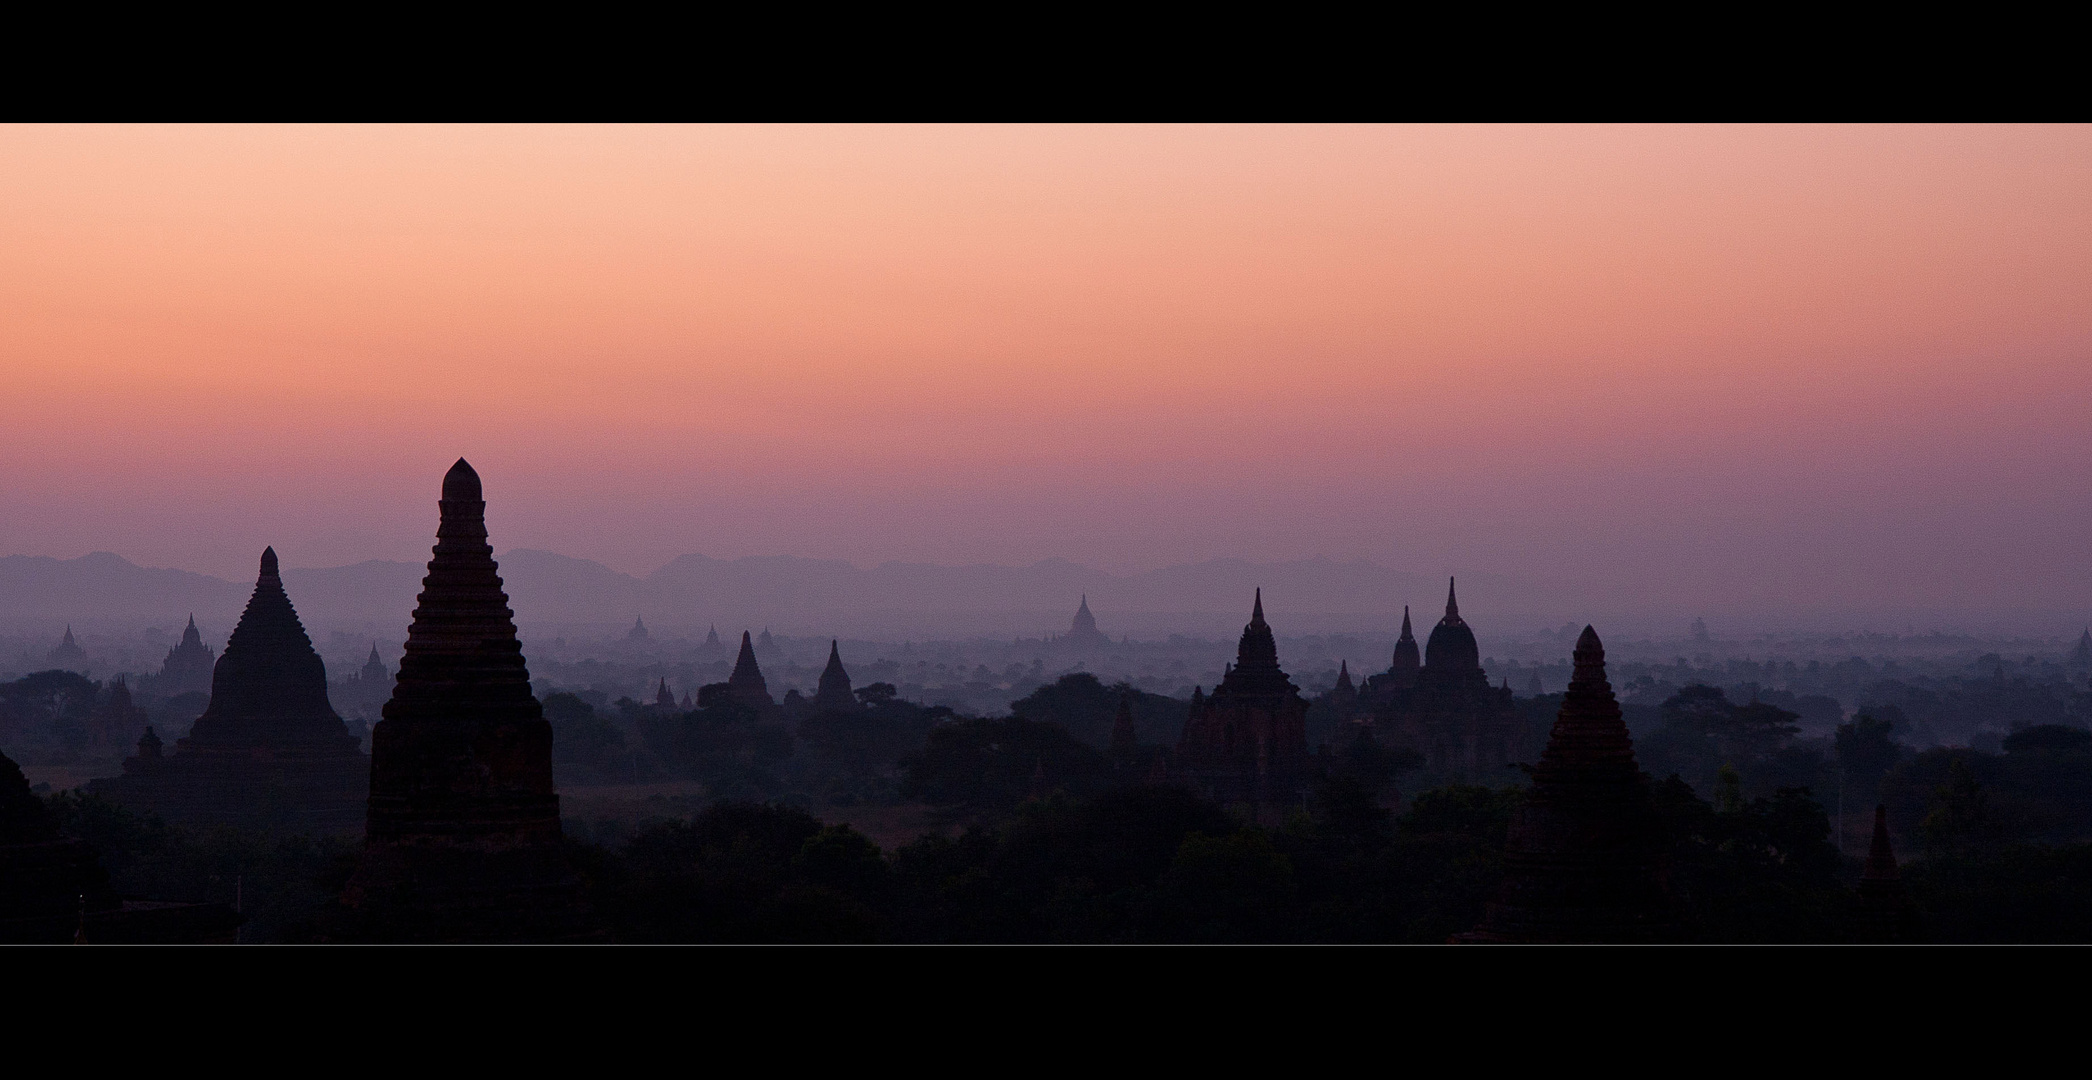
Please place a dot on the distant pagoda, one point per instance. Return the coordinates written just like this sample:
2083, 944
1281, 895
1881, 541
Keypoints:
1247, 742
67, 653
1584, 860
746, 684
833, 694
463, 842
269, 751
1082, 630
1444, 706
1887, 915
188, 666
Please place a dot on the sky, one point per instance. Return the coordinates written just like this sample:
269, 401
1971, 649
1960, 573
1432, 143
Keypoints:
1809, 369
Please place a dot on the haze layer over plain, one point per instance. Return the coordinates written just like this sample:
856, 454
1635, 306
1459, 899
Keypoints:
1822, 369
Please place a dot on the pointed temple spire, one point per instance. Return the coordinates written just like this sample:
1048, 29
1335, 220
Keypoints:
463, 841
663, 698
270, 686
1258, 650
1886, 912
188, 665
1584, 860
1082, 630
746, 683
1402, 670
1452, 647
269, 751
833, 692
67, 651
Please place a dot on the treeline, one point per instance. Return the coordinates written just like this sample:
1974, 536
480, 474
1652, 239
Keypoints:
799, 753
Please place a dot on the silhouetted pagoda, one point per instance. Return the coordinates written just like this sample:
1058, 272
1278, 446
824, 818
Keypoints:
2082, 656
1584, 860
374, 670
1082, 631
188, 665
833, 692
67, 653
664, 698
639, 634
463, 841
746, 683
1887, 915
1247, 742
269, 752
1445, 707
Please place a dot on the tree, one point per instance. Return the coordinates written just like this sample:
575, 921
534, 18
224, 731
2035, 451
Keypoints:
996, 764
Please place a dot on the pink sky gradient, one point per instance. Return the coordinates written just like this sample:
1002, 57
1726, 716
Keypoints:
1831, 368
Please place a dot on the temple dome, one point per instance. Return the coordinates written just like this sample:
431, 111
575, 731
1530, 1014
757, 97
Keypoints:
1452, 645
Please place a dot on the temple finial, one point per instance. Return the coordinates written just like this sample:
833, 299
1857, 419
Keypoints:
461, 483
268, 562
1452, 600
1405, 622
1256, 614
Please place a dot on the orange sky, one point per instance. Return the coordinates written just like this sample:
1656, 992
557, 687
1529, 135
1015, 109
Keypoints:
1819, 365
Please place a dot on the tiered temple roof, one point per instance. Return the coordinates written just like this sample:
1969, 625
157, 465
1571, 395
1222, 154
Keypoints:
463, 840
1584, 860
1248, 741
269, 751
188, 665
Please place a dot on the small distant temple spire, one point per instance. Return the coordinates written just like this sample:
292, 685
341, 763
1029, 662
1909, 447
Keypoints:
639, 632
188, 666
1082, 630
67, 651
833, 694
746, 683
1887, 915
664, 699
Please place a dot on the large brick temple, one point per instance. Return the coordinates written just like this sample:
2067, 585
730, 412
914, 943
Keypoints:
1247, 742
1584, 860
1443, 706
463, 840
269, 752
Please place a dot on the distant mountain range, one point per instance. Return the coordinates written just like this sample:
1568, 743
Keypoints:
792, 595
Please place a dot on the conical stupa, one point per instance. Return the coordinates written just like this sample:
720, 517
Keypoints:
463, 842
1887, 915
1584, 860
833, 692
269, 751
746, 683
